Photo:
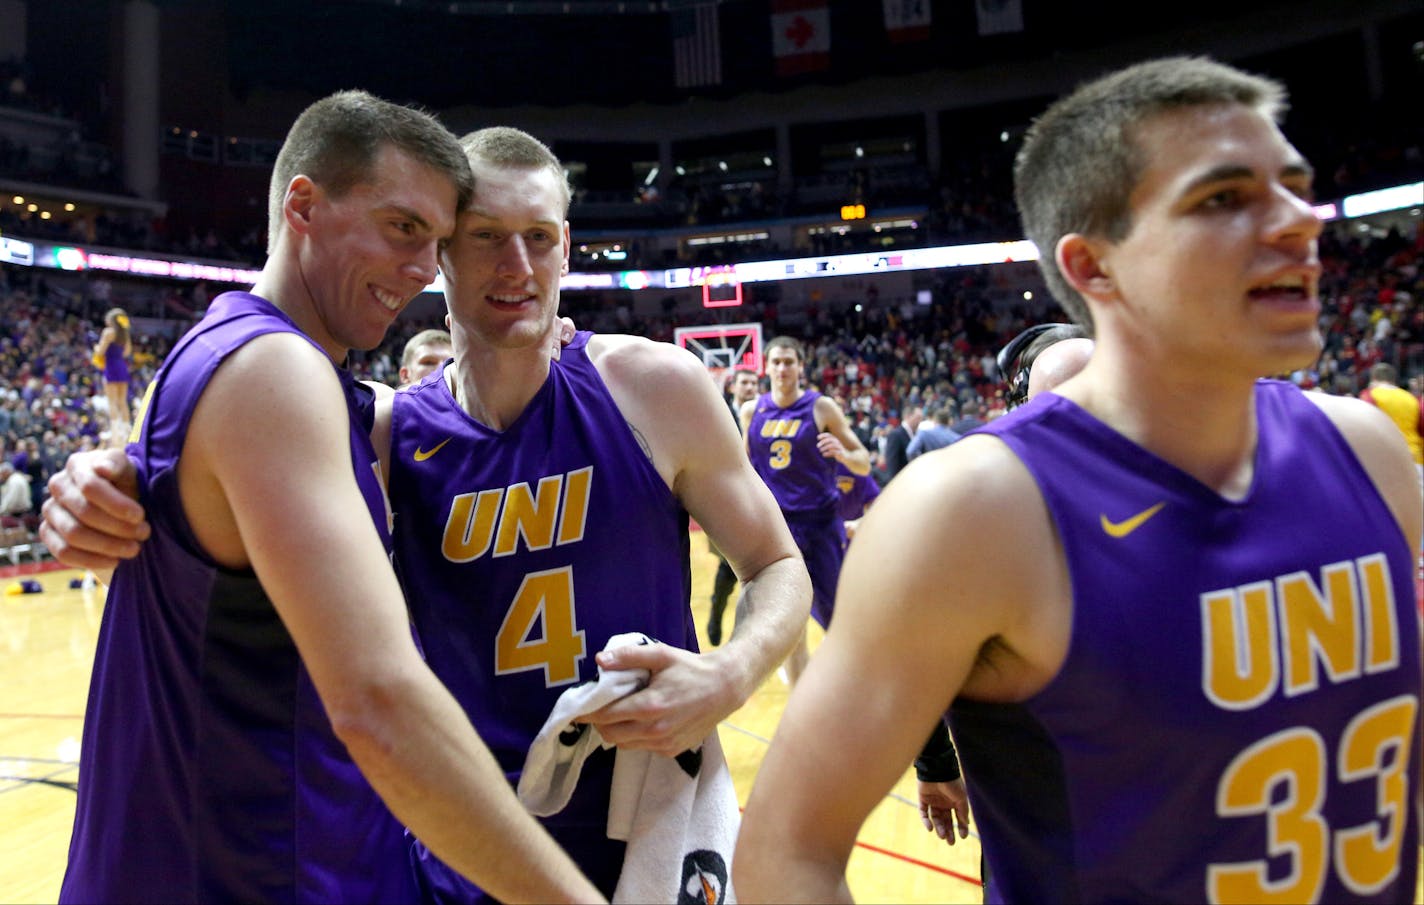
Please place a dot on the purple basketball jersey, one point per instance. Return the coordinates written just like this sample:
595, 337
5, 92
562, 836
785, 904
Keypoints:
1237, 712
208, 769
782, 445
522, 553
854, 492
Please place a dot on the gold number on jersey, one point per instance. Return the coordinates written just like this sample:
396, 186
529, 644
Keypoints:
545, 598
780, 454
1294, 825
1375, 745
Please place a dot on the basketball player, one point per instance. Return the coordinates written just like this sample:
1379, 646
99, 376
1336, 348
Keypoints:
1180, 595
599, 458
744, 389
423, 353
795, 437
855, 493
592, 464
259, 642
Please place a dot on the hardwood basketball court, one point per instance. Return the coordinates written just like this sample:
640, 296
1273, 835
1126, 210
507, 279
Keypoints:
48, 648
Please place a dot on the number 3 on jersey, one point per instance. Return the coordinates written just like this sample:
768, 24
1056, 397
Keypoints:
546, 599
780, 454
1374, 748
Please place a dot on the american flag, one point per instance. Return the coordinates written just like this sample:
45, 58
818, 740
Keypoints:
696, 47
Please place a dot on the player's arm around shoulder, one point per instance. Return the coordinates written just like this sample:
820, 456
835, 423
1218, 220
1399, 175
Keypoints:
1381, 449
668, 398
272, 486
945, 563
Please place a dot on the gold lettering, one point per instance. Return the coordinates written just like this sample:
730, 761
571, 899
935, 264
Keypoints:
575, 509
1381, 621
1239, 646
1319, 626
529, 516
470, 525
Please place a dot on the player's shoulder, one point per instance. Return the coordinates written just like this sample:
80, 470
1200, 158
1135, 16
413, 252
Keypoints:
1357, 419
980, 471
1382, 451
276, 371
643, 365
973, 497
970, 521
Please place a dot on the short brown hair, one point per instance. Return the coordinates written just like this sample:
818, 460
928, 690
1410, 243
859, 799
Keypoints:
786, 342
504, 146
1080, 163
334, 142
431, 337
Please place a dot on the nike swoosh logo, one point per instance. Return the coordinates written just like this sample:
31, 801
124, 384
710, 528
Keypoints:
1127, 526
421, 455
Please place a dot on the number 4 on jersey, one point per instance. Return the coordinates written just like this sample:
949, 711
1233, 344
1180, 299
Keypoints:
545, 599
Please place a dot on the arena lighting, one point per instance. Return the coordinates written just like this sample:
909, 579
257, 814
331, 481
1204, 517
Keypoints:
64, 257
634, 279
799, 268
182, 270
1383, 200
14, 251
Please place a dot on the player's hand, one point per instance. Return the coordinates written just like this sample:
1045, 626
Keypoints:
942, 804
851, 526
830, 446
91, 519
561, 333
686, 697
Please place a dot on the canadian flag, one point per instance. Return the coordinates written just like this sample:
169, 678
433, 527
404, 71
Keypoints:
800, 36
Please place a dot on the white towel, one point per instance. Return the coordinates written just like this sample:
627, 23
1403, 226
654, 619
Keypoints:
678, 815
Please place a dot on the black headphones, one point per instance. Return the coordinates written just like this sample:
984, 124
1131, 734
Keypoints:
1009, 362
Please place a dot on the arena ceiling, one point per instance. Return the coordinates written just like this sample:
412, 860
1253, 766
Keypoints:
611, 53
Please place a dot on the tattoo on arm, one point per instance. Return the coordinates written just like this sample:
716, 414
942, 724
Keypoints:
642, 441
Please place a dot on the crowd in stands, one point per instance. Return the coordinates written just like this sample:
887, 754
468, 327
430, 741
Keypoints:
877, 360
880, 360
69, 159
51, 394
